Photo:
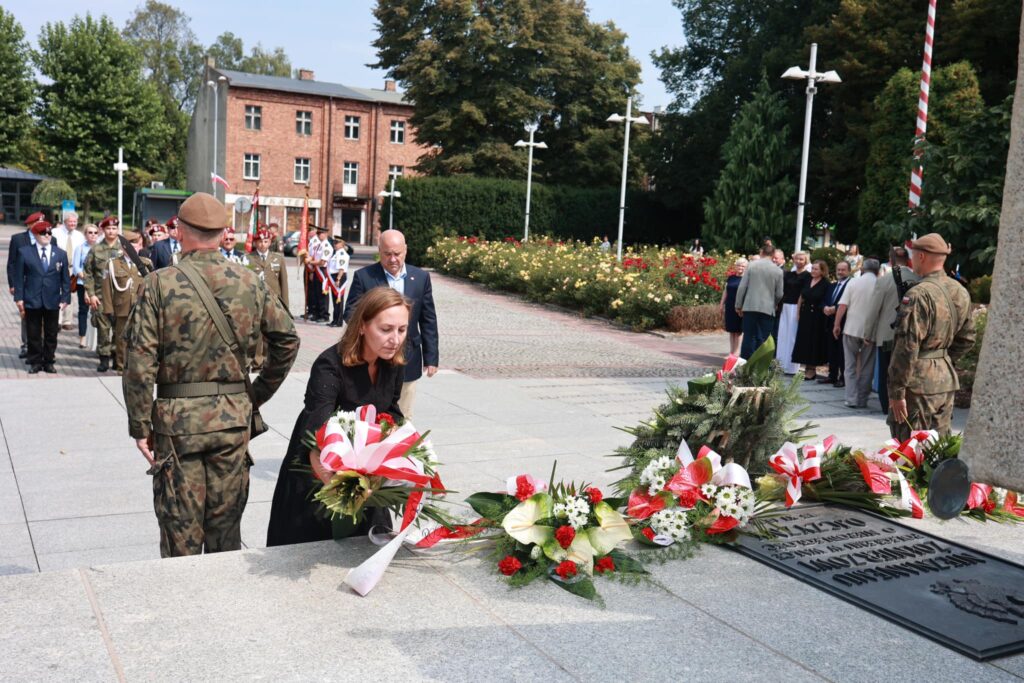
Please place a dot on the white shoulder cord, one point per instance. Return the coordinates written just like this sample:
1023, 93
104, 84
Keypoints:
113, 279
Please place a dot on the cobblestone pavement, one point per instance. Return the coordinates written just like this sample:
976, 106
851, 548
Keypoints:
483, 334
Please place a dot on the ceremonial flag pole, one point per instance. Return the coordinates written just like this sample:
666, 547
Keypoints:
916, 174
254, 221
301, 249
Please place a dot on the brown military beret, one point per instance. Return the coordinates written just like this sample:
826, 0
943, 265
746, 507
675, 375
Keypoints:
109, 220
131, 235
40, 227
203, 211
35, 218
932, 243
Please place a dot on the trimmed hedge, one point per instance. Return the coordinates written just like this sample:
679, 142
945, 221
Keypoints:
492, 208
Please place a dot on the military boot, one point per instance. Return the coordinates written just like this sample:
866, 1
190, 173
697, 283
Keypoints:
104, 364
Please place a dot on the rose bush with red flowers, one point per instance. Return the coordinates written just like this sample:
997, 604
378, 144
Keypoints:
509, 566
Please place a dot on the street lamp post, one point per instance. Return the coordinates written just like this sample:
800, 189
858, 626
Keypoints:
120, 167
629, 119
530, 128
215, 87
393, 195
813, 78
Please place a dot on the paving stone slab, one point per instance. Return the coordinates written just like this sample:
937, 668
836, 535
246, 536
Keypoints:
50, 632
77, 534
102, 556
15, 541
25, 564
11, 510
95, 493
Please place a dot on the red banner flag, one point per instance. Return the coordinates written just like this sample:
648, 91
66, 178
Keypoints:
304, 227
250, 235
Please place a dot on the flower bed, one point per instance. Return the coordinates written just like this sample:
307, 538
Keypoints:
639, 292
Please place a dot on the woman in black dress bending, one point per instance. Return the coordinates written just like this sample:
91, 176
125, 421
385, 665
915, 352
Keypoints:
366, 367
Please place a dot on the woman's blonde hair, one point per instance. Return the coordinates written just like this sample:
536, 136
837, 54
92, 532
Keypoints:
370, 305
741, 261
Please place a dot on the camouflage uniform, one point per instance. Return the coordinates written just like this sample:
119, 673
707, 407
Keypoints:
273, 272
96, 271
933, 331
201, 473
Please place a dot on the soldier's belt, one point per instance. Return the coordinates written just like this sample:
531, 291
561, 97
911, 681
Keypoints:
199, 389
934, 353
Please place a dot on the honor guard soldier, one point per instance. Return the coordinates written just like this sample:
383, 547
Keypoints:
193, 333
97, 270
320, 251
933, 330
270, 267
120, 290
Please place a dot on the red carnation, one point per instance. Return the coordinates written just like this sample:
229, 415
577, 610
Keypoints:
689, 498
385, 418
509, 565
605, 564
595, 495
988, 506
564, 535
566, 569
524, 487
648, 533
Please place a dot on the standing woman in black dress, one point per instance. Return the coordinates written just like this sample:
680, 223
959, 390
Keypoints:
812, 333
366, 367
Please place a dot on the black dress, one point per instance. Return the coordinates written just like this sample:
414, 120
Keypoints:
294, 516
733, 322
813, 333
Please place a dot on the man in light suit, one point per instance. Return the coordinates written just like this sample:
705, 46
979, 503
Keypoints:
18, 240
885, 300
836, 360
42, 289
757, 299
421, 352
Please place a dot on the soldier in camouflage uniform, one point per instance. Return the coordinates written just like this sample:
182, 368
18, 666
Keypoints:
934, 329
270, 267
96, 271
195, 435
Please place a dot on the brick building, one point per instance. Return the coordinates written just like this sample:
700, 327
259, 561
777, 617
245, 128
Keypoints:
279, 134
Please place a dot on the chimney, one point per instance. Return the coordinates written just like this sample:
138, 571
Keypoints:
306, 75
389, 86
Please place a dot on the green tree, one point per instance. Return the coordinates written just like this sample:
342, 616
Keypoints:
172, 61
228, 52
16, 93
956, 101
51, 192
96, 101
479, 69
754, 195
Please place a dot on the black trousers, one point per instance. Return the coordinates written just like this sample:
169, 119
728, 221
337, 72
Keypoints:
83, 311
884, 357
836, 355
317, 300
339, 305
42, 325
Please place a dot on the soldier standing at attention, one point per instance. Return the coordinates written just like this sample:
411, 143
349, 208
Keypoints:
934, 329
195, 435
97, 270
120, 290
270, 267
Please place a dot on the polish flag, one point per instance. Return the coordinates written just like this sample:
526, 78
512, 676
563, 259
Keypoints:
217, 180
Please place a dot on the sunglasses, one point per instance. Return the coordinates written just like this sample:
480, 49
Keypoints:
45, 232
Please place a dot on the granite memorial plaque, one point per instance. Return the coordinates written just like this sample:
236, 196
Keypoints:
967, 600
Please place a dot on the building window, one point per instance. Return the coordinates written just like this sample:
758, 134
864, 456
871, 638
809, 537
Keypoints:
395, 171
251, 167
350, 173
398, 132
253, 117
301, 170
304, 122
351, 127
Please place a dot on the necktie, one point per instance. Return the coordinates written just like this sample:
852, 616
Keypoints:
46, 263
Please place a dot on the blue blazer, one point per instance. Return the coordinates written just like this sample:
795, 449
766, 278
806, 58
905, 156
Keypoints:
19, 240
38, 288
161, 254
421, 342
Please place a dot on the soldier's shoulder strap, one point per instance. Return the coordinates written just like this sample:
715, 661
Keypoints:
954, 312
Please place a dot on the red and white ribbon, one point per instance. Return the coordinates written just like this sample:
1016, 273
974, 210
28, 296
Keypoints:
788, 463
911, 451
731, 363
916, 175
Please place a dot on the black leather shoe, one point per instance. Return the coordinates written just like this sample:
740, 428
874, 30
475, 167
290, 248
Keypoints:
35, 369
50, 369
23, 353
104, 364
840, 384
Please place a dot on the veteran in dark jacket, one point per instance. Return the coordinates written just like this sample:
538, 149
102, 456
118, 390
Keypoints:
42, 289
421, 348
195, 435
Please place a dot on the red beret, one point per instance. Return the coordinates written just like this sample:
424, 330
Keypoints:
34, 218
172, 222
263, 234
231, 232
109, 220
40, 227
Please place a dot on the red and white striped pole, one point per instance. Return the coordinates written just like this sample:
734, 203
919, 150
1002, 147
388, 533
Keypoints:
922, 107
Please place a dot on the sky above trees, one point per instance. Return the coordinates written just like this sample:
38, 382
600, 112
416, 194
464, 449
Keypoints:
347, 30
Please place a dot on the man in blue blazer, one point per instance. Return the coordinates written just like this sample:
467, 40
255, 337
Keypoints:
19, 240
165, 252
421, 352
42, 288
